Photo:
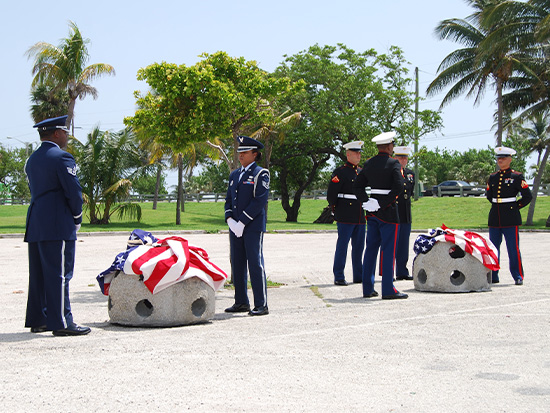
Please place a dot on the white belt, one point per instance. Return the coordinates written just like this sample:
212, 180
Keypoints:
380, 191
503, 200
347, 196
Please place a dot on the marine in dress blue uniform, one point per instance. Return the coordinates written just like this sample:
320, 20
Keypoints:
53, 218
245, 203
382, 174
349, 215
504, 217
402, 153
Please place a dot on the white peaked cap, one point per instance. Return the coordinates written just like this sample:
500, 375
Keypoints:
354, 146
384, 138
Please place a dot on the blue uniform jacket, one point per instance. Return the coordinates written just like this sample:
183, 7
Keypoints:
56, 195
246, 199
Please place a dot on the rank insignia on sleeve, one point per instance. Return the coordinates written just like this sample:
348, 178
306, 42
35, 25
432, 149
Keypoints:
524, 184
72, 170
335, 179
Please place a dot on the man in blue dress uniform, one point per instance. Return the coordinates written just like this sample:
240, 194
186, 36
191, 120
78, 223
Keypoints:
402, 153
245, 215
349, 215
504, 217
53, 218
382, 174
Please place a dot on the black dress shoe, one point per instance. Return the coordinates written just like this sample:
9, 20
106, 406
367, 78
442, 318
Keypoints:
72, 330
403, 277
238, 308
495, 281
397, 296
340, 282
358, 282
371, 295
259, 310
39, 329
519, 281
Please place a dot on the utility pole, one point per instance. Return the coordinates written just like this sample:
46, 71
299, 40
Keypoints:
417, 184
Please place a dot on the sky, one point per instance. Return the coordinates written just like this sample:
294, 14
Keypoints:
130, 35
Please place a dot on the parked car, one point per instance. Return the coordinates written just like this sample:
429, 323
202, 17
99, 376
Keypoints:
452, 188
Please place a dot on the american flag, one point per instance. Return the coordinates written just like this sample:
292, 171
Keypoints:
162, 264
470, 242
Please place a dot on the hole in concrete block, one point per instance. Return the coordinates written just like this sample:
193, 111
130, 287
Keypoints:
144, 308
109, 303
422, 276
457, 278
198, 307
456, 252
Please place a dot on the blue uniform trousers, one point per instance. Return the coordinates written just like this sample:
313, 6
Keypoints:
511, 235
247, 252
380, 235
402, 253
50, 270
355, 232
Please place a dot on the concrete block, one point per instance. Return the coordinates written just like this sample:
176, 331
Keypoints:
447, 268
191, 301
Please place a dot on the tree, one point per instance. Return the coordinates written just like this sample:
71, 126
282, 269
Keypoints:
348, 96
47, 102
213, 99
64, 67
529, 96
108, 162
486, 58
12, 174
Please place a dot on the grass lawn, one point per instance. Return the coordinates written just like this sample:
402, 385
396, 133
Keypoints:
428, 212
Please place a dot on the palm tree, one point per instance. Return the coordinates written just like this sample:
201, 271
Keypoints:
529, 30
107, 163
64, 67
280, 124
480, 63
48, 102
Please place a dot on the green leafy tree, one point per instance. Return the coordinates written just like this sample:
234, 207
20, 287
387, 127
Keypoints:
213, 99
12, 174
108, 162
213, 178
348, 96
64, 67
146, 184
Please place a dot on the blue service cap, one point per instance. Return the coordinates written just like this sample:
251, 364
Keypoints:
248, 144
53, 123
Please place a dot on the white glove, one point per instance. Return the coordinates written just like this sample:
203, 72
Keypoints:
371, 205
231, 222
239, 228
77, 227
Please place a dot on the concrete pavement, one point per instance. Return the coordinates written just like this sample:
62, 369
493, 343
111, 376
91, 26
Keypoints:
321, 348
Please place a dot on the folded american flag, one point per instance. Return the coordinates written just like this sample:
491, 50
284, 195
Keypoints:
471, 242
162, 264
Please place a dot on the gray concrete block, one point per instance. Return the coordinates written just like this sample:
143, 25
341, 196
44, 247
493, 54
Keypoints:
191, 301
446, 268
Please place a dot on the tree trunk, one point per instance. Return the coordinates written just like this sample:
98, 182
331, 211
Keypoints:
536, 186
180, 192
292, 210
157, 186
499, 112
70, 113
